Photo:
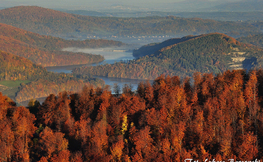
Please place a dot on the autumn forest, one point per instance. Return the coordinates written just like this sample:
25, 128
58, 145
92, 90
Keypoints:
217, 117
204, 101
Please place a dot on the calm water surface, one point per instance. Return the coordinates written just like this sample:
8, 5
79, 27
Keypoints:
111, 56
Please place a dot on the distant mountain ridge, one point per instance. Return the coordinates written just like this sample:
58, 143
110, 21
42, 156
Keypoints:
241, 6
50, 22
210, 53
217, 15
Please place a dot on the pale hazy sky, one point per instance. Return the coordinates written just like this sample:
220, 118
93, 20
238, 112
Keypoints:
106, 4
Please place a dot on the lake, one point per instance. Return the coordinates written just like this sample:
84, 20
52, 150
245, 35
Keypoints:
111, 56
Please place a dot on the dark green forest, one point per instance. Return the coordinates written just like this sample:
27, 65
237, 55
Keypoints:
205, 53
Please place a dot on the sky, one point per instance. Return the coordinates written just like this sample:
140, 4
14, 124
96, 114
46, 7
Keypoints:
117, 4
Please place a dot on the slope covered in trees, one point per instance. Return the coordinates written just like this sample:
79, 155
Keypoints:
153, 47
51, 22
35, 80
13, 67
256, 40
205, 53
218, 117
52, 43
46, 50
60, 82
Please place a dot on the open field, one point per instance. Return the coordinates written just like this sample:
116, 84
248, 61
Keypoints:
15, 83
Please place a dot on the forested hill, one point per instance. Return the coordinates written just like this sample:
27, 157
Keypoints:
153, 47
52, 43
256, 40
46, 50
22, 80
205, 53
13, 67
51, 22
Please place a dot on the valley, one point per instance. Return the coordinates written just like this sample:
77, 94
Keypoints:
111, 56
163, 87
123, 67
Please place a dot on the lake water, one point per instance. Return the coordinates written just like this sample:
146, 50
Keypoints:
111, 56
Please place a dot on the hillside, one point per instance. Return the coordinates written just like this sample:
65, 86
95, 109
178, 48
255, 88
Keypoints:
204, 53
22, 80
13, 67
52, 43
51, 22
256, 40
46, 50
153, 47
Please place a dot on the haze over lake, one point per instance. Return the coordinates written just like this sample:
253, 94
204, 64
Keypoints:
111, 56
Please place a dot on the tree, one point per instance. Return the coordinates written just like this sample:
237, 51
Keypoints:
52, 143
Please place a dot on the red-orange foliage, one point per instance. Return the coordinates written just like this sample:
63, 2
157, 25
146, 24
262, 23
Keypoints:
219, 117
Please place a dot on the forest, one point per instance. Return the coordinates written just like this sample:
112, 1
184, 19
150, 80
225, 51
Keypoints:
47, 50
51, 22
54, 83
253, 39
153, 47
203, 117
197, 107
35, 80
206, 53
13, 67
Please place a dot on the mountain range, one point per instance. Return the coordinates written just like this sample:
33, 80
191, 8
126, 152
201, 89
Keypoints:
51, 22
146, 5
240, 6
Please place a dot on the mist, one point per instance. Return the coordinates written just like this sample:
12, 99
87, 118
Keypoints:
120, 5
111, 55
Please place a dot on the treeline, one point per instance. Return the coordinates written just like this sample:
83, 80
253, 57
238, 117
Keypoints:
215, 117
47, 50
205, 53
48, 22
256, 40
53, 84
